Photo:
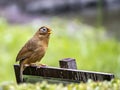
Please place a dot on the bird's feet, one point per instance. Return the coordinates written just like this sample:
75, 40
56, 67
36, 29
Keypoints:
33, 64
27, 65
38, 64
42, 65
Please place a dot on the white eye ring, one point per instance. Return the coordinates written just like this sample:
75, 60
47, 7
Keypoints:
44, 30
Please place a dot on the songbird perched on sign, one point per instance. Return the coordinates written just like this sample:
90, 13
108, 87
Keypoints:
34, 50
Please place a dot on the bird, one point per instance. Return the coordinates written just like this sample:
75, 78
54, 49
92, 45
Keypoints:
34, 49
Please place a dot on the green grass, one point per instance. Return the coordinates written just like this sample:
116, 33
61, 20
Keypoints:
90, 85
91, 47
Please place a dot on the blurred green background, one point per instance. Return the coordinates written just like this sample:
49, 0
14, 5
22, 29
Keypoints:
91, 45
91, 48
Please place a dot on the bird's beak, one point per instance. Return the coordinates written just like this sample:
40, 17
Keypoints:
49, 31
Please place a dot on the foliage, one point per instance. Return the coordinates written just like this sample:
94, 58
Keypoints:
90, 85
91, 47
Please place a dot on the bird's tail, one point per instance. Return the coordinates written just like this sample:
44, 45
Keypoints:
21, 71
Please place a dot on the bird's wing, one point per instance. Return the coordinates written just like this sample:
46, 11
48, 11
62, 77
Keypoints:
27, 50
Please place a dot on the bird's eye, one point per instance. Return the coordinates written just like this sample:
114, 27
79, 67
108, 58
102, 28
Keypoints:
44, 30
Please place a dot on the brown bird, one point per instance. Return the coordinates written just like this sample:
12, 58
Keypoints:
34, 49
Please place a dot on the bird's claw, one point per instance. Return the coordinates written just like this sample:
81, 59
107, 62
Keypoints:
38, 64
27, 65
42, 65
33, 64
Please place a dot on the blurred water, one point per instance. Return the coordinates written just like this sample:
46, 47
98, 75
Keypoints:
109, 17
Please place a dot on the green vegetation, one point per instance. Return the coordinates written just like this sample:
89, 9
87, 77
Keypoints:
90, 85
91, 47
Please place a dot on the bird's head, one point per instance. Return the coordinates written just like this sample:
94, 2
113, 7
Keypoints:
43, 32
